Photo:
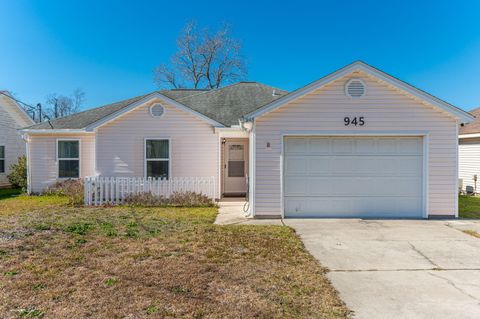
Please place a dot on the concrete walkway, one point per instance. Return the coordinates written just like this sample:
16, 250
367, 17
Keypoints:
231, 212
399, 268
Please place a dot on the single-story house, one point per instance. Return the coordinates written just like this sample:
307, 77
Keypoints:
469, 154
12, 145
355, 143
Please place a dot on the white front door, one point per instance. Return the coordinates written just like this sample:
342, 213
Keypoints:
353, 177
236, 166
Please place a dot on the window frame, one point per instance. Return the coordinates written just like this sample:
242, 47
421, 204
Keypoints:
58, 159
4, 159
169, 159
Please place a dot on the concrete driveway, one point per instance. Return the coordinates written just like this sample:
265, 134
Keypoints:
398, 268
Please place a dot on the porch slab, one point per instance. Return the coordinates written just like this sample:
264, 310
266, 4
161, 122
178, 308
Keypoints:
231, 212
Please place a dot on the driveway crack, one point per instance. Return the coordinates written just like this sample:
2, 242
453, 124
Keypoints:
451, 283
423, 255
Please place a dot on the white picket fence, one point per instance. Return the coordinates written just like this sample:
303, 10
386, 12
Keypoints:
113, 190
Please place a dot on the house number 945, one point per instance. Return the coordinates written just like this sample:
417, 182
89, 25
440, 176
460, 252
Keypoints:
355, 121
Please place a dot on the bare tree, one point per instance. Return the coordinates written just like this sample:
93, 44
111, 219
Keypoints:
203, 60
61, 105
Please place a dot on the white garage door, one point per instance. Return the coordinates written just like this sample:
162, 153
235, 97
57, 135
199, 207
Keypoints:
353, 177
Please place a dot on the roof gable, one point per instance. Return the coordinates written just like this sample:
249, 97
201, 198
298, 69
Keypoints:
17, 113
455, 112
144, 100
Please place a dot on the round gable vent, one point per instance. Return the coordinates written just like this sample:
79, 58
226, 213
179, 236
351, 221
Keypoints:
355, 88
156, 110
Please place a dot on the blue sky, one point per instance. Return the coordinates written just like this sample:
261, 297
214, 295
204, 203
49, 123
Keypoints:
109, 48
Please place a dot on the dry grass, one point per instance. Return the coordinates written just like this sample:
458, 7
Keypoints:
472, 233
58, 261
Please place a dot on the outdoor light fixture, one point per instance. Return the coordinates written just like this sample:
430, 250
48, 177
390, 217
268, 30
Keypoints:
247, 125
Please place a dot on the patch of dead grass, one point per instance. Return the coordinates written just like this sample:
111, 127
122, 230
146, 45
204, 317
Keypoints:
472, 233
154, 263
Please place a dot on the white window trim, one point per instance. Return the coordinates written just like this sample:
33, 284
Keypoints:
4, 158
69, 159
169, 159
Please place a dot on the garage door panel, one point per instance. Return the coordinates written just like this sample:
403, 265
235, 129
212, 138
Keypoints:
366, 146
387, 146
319, 165
295, 186
296, 165
296, 146
342, 146
353, 207
354, 177
319, 146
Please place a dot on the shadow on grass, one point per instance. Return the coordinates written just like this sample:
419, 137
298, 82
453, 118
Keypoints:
9, 193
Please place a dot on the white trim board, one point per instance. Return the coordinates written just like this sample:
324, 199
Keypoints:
169, 139
470, 135
462, 116
57, 159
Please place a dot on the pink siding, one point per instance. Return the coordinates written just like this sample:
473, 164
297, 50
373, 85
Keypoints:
43, 158
194, 143
385, 109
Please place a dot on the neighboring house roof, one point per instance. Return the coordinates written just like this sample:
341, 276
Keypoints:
472, 127
458, 113
224, 105
15, 109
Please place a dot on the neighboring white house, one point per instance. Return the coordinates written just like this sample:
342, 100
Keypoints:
12, 146
469, 154
356, 143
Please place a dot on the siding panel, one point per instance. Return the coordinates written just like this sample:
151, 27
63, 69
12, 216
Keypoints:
43, 159
384, 109
469, 161
194, 144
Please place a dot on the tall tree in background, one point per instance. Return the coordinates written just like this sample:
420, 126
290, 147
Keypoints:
62, 105
203, 60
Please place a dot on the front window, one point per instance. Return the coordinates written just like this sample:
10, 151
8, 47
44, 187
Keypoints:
2, 159
68, 153
157, 157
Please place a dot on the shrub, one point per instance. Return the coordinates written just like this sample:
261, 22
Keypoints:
190, 199
71, 188
178, 199
18, 173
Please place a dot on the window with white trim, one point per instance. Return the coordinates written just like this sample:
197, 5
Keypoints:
2, 159
68, 155
157, 158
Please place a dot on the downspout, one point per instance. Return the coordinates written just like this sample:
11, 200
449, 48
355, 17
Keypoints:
248, 126
25, 137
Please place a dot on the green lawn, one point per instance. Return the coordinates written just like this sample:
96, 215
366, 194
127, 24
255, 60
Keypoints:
58, 261
469, 206
9, 192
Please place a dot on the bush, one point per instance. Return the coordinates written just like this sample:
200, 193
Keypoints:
72, 188
18, 174
177, 199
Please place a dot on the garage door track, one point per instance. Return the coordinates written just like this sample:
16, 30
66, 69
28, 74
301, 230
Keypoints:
398, 268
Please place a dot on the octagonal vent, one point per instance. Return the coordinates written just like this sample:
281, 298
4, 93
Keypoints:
156, 110
355, 88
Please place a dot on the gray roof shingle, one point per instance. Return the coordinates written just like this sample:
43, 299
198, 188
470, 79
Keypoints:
225, 105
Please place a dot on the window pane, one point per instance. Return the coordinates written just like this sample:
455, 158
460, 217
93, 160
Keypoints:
69, 169
236, 168
157, 148
2, 151
157, 169
2, 166
68, 149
